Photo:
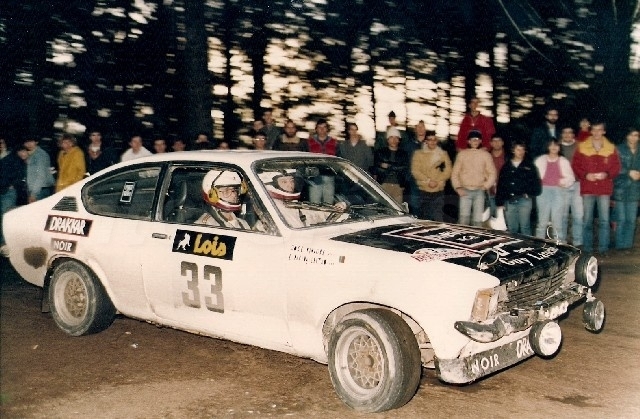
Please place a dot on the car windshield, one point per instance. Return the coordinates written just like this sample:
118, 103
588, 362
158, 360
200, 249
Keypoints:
311, 192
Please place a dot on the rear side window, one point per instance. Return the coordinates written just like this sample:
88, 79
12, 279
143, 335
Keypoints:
128, 194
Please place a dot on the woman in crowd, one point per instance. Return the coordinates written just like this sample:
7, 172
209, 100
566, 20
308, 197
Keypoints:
518, 184
626, 191
556, 175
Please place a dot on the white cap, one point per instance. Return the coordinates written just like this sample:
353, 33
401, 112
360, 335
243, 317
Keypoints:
393, 132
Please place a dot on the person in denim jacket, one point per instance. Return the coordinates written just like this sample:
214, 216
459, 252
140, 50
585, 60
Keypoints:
626, 191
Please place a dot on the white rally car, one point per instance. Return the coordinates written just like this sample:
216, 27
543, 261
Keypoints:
304, 254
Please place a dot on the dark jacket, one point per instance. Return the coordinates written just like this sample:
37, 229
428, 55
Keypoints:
106, 158
13, 173
301, 145
398, 169
539, 140
360, 154
625, 188
516, 182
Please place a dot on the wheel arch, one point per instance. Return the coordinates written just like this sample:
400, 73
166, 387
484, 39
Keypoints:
422, 339
59, 259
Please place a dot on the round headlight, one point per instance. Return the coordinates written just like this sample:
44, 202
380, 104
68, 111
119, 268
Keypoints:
593, 315
545, 337
587, 270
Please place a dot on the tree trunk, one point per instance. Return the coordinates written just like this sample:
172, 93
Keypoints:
198, 101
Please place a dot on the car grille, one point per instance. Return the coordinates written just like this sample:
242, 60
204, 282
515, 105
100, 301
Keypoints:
531, 294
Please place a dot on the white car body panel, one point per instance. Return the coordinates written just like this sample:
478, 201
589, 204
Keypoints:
275, 291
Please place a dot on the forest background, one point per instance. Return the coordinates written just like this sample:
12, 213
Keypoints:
173, 68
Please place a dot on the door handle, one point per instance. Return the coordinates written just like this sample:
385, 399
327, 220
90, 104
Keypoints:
159, 236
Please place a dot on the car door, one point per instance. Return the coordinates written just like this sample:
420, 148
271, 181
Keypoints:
214, 280
120, 208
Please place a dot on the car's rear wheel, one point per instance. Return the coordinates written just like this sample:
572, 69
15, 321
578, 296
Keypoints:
374, 360
79, 303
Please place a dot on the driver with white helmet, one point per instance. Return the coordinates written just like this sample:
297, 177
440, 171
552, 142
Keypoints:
282, 187
221, 191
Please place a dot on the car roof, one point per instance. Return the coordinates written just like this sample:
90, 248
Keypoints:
240, 157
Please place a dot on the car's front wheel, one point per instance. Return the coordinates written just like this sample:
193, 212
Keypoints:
79, 303
374, 360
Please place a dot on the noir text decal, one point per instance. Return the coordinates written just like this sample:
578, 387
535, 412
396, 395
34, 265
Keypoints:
60, 245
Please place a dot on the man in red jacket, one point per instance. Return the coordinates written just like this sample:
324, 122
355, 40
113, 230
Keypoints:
475, 121
596, 163
322, 187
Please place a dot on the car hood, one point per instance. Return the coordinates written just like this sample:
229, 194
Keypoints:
503, 255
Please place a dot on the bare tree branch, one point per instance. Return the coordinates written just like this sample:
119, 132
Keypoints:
515, 25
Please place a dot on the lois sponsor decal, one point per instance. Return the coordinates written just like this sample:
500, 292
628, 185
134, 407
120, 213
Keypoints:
429, 254
68, 225
204, 244
60, 245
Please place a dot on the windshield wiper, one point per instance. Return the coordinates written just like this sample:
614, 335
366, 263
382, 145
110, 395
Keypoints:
376, 206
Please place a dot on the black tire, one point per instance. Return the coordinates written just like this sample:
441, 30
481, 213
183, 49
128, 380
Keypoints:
79, 303
374, 361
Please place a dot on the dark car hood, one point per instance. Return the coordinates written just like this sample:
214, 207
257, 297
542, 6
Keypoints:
503, 255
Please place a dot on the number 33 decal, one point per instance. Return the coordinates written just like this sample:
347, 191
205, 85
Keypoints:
213, 300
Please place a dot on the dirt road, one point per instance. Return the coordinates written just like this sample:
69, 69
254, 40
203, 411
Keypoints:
138, 370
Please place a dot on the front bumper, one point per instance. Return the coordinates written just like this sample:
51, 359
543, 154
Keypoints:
508, 338
516, 320
515, 348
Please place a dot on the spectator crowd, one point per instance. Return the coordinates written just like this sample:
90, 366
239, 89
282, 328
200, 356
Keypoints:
579, 189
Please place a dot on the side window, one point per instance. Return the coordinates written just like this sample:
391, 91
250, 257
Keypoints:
227, 200
183, 201
128, 194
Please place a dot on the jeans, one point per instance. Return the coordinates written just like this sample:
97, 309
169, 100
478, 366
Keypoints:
604, 229
575, 206
517, 213
492, 205
44, 193
471, 207
7, 201
551, 208
432, 204
625, 214
322, 190
414, 199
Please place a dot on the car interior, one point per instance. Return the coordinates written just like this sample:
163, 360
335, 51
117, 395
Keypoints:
184, 203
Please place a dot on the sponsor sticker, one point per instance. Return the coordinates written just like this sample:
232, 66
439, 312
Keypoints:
68, 225
127, 192
313, 255
429, 254
459, 237
204, 244
61, 245
501, 357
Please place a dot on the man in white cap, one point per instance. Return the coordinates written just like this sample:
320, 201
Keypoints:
221, 191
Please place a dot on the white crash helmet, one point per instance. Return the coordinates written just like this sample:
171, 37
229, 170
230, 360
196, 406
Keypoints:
270, 180
215, 179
